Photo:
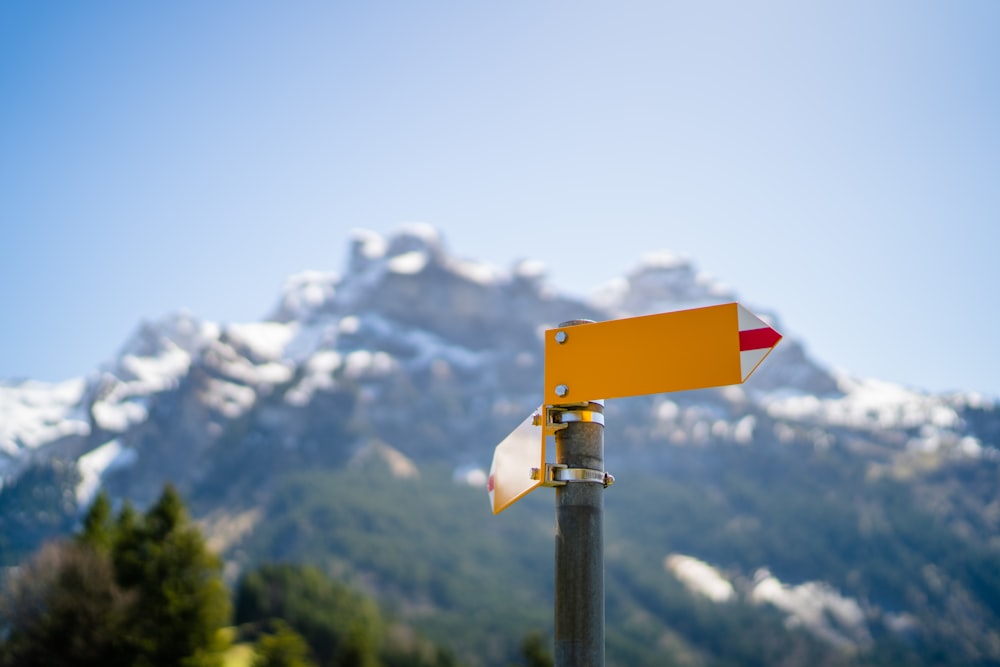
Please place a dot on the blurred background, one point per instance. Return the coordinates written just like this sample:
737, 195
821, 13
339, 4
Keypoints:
237, 455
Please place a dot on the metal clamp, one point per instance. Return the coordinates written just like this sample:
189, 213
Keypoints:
567, 416
559, 474
556, 418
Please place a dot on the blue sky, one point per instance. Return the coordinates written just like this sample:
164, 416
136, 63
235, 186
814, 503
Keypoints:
836, 162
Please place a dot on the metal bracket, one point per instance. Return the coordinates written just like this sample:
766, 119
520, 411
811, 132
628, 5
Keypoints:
548, 423
566, 416
559, 474
556, 418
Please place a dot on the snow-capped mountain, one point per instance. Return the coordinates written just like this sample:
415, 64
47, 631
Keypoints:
404, 307
407, 313
415, 357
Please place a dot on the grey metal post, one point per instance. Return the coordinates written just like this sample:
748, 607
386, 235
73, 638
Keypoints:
579, 595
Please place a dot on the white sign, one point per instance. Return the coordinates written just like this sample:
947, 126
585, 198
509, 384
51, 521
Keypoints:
513, 462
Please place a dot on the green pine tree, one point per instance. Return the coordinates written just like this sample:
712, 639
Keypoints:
142, 591
181, 600
98, 526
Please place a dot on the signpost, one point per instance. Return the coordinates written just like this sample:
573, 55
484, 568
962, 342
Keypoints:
586, 362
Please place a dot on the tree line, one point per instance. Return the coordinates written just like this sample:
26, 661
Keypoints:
143, 590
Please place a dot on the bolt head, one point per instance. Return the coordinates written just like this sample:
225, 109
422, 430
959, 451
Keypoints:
562, 390
561, 337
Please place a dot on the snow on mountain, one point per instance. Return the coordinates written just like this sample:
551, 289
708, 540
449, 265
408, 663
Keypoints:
404, 306
813, 605
305, 294
407, 312
933, 424
700, 577
260, 341
817, 607
154, 359
317, 374
94, 464
35, 413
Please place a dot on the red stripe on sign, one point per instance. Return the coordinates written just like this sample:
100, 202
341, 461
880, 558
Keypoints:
758, 339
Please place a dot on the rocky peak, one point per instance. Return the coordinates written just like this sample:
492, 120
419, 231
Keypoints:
306, 295
662, 281
177, 330
416, 238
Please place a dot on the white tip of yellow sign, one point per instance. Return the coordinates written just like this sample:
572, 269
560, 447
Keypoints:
757, 339
513, 461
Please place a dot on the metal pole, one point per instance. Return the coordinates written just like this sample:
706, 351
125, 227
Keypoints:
579, 594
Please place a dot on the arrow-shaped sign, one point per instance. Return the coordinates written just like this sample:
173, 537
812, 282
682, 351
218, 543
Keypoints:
514, 459
687, 349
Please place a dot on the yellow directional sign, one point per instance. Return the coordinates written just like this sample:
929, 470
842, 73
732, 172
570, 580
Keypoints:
687, 349
677, 351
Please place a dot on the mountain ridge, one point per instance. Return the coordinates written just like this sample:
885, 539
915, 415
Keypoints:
407, 305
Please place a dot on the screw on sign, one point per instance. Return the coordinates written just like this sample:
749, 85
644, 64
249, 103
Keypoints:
586, 362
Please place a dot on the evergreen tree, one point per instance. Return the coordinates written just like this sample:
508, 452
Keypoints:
139, 592
98, 526
182, 602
